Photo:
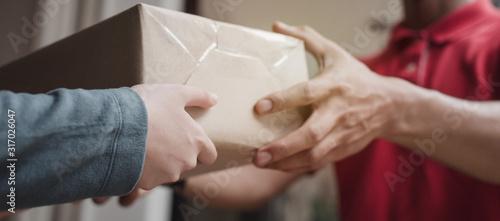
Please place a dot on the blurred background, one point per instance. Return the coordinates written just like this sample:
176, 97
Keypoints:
313, 197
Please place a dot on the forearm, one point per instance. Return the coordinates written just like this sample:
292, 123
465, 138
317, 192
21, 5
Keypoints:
72, 144
247, 187
462, 134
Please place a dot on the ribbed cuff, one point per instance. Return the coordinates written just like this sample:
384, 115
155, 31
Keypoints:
129, 146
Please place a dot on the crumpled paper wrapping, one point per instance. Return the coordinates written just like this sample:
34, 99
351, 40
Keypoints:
146, 44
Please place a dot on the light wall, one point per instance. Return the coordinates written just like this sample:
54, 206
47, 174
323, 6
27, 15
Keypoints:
338, 20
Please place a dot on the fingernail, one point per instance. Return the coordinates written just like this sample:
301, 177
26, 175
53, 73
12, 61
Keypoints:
264, 106
263, 158
214, 97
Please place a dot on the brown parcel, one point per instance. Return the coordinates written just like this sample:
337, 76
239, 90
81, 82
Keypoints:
146, 44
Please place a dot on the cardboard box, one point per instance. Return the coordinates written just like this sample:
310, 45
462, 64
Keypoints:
146, 44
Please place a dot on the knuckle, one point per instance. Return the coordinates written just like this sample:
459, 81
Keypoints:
314, 133
317, 154
307, 92
280, 149
200, 142
213, 155
210, 155
197, 139
342, 88
342, 117
313, 156
279, 101
330, 143
190, 164
172, 177
342, 139
305, 28
205, 149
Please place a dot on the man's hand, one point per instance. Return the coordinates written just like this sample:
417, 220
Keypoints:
350, 105
175, 142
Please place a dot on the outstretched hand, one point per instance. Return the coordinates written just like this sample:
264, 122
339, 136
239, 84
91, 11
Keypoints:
349, 108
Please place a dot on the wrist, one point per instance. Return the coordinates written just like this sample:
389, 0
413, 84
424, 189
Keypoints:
403, 99
415, 110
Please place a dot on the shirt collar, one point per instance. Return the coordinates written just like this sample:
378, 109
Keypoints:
452, 27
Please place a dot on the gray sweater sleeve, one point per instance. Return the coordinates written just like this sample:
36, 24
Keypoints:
70, 145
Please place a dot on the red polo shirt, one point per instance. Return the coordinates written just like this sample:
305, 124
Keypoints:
458, 56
